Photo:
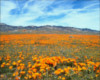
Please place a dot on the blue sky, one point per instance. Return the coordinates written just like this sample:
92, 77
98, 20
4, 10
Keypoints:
74, 13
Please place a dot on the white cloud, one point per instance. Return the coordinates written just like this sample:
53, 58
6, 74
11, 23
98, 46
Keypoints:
6, 7
74, 18
34, 11
89, 18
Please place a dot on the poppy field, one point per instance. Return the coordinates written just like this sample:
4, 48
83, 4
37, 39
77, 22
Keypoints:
49, 57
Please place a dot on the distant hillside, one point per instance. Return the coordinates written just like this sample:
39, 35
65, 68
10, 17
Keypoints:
47, 29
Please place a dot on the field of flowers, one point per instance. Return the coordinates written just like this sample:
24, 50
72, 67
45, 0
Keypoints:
49, 57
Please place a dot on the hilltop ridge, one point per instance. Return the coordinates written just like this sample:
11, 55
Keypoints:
48, 29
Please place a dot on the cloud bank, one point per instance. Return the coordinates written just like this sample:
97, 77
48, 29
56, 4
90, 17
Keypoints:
74, 13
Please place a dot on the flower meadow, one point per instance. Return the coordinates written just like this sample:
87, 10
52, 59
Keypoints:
49, 57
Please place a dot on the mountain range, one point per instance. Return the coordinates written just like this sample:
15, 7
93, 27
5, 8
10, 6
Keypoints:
46, 29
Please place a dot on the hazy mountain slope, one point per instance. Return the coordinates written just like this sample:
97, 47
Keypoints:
47, 29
